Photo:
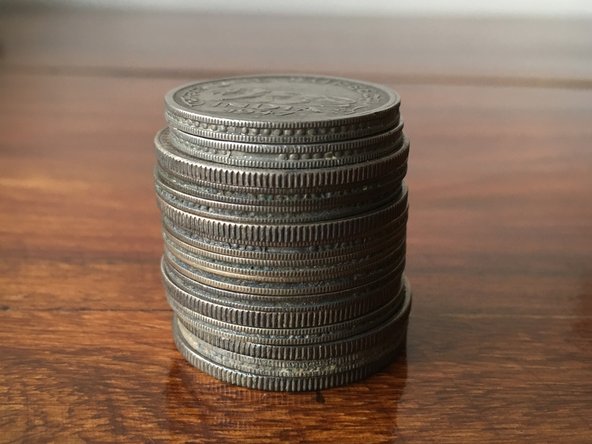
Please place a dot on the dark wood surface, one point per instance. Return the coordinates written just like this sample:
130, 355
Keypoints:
499, 113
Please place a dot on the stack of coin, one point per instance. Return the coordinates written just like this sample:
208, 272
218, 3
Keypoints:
284, 218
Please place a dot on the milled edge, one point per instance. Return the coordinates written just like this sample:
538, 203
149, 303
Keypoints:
278, 383
214, 173
304, 315
269, 278
282, 383
371, 247
267, 214
291, 302
277, 335
277, 289
348, 307
240, 345
286, 198
287, 234
291, 273
394, 228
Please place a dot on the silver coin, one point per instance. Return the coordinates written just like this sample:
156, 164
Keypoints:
280, 367
379, 335
291, 274
286, 199
288, 234
276, 271
274, 302
293, 336
266, 214
242, 345
285, 310
288, 156
281, 312
394, 263
232, 270
331, 251
307, 316
282, 383
267, 180
284, 214
282, 109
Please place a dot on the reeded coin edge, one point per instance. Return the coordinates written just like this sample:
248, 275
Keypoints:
285, 198
309, 287
278, 383
288, 234
241, 345
286, 314
196, 257
395, 229
230, 271
268, 302
291, 336
266, 214
281, 367
181, 165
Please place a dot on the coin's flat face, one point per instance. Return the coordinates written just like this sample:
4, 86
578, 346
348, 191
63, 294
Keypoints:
283, 98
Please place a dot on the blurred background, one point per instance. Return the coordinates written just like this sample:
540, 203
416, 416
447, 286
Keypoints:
508, 42
345, 7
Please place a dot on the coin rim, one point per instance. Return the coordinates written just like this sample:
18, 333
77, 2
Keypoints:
286, 384
393, 102
307, 352
193, 145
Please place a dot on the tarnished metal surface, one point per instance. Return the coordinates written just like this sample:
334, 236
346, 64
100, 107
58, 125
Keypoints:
284, 213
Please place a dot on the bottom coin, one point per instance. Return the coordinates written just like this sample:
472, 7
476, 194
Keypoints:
285, 378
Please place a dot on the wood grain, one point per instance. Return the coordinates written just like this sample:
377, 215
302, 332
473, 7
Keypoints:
499, 257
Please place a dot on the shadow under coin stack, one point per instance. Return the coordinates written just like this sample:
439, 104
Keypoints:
284, 218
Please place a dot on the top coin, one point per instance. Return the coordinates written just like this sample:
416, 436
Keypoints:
282, 109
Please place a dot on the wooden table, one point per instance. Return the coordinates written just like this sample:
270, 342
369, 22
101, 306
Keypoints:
499, 113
